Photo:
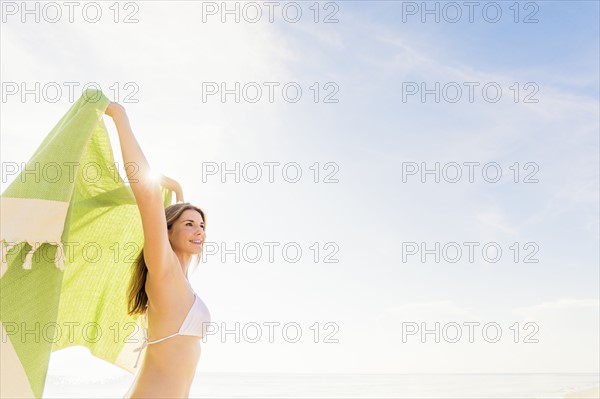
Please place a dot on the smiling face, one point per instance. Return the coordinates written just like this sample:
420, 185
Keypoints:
187, 233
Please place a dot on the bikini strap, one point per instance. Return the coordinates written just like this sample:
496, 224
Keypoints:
162, 339
144, 340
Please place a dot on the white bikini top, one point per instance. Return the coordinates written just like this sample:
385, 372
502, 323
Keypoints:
195, 324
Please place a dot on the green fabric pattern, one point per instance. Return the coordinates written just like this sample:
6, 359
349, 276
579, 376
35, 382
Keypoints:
69, 293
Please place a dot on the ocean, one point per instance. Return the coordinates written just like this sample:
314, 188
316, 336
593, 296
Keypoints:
272, 385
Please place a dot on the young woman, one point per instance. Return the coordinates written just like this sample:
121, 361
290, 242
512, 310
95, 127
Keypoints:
159, 289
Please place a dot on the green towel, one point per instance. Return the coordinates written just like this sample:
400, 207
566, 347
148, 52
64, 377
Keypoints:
70, 231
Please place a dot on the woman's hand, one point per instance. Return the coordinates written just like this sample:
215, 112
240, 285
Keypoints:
172, 185
115, 109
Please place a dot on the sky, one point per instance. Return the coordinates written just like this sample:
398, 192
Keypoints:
365, 208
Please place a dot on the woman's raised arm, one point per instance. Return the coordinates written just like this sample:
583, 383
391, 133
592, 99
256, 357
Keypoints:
158, 253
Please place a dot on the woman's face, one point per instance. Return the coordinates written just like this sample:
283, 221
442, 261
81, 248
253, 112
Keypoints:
187, 233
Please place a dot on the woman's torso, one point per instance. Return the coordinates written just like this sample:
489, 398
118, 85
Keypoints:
169, 366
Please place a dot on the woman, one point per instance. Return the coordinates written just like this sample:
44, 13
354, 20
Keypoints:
159, 290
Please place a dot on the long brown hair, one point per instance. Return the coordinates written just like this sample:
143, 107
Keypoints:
137, 299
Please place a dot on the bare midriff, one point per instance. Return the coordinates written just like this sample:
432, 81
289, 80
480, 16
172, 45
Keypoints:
168, 369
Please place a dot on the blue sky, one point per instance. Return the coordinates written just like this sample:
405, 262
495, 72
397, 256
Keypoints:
564, 38
369, 133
